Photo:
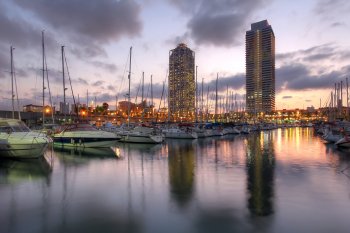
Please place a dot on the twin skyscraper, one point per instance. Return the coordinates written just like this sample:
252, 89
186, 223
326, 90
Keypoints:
260, 74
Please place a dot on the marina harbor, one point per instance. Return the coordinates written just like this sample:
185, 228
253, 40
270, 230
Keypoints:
174, 116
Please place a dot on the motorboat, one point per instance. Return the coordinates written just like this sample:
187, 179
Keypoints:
245, 129
187, 133
332, 136
216, 132
231, 130
201, 132
343, 142
141, 134
83, 135
18, 141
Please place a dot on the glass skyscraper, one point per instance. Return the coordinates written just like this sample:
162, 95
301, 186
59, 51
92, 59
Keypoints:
260, 68
181, 83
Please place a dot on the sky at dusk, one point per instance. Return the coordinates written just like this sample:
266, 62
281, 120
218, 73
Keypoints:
312, 45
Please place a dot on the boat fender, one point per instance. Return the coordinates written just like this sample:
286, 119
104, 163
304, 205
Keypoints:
72, 141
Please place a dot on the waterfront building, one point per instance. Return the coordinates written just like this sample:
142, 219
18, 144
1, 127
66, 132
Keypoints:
260, 68
64, 108
32, 108
182, 83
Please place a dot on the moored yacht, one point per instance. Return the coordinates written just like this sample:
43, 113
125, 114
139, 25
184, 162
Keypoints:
343, 142
332, 136
18, 141
180, 133
141, 134
84, 135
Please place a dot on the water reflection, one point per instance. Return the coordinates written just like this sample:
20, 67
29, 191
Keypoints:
260, 173
107, 152
140, 147
181, 163
83, 156
205, 185
14, 171
339, 159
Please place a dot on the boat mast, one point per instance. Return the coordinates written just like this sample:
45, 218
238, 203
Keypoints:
347, 98
196, 112
143, 80
43, 54
87, 98
64, 82
207, 108
216, 97
129, 77
226, 105
12, 95
202, 117
152, 95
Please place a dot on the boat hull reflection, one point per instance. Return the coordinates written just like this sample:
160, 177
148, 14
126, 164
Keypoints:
14, 171
106, 152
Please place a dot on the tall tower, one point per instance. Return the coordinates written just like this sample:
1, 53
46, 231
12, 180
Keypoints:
181, 82
260, 68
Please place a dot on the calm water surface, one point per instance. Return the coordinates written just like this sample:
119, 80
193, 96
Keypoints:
286, 180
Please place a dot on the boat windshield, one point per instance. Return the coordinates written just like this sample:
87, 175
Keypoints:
13, 126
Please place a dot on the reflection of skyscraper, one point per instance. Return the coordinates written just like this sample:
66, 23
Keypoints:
181, 171
260, 173
181, 82
260, 68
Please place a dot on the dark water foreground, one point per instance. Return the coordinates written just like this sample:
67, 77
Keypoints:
279, 181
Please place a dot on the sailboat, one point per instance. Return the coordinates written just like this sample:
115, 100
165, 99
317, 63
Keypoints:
81, 134
16, 139
139, 134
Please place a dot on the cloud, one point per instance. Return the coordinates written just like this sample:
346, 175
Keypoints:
299, 77
98, 83
217, 22
111, 88
287, 97
104, 21
337, 24
318, 67
87, 25
81, 81
15, 31
330, 7
20, 32
105, 66
236, 81
4, 65
315, 53
105, 97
